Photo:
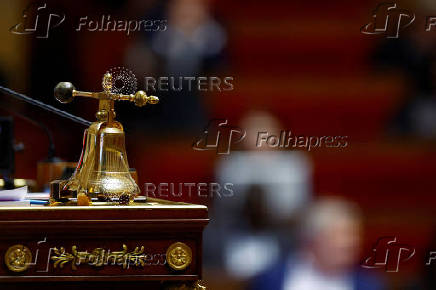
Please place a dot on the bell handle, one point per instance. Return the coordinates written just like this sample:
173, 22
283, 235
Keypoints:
65, 92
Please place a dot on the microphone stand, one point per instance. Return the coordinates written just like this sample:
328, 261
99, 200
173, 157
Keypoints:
51, 150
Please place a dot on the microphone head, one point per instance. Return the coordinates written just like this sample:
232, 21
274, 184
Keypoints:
64, 92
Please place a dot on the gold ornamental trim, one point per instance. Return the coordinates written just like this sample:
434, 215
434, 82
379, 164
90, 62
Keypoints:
18, 258
186, 286
179, 256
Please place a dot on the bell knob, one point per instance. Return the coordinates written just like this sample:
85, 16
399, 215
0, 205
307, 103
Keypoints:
64, 92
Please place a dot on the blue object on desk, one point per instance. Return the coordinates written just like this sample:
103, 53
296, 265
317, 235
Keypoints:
38, 201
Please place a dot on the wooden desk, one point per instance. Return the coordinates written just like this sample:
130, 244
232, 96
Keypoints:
155, 245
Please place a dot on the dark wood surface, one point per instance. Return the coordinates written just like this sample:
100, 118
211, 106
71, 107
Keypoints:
155, 225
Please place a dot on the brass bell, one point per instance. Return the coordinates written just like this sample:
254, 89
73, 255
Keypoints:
103, 170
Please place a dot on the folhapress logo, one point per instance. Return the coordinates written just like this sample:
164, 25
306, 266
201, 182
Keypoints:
388, 254
388, 19
39, 20
219, 136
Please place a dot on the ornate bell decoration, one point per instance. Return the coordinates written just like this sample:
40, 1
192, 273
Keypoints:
103, 171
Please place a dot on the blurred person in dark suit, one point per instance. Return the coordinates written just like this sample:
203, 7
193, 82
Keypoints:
191, 46
327, 256
412, 56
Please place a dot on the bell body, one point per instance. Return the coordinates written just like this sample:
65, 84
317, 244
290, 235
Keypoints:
103, 170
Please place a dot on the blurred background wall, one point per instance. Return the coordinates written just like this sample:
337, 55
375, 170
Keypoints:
305, 63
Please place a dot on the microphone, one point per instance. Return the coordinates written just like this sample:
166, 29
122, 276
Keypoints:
51, 150
44, 106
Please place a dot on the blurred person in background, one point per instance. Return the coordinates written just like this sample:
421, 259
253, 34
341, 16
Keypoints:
249, 229
413, 57
330, 236
193, 45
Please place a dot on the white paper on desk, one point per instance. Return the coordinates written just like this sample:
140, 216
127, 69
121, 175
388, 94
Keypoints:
37, 195
16, 194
